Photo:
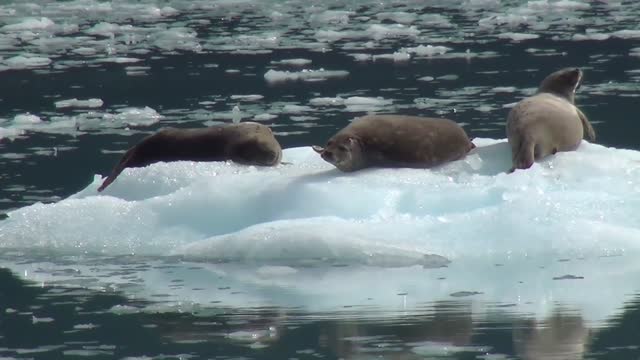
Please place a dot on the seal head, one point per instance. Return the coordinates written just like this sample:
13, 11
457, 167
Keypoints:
344, 152
563, 83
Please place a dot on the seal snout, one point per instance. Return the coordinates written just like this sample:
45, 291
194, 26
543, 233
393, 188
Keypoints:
327, 155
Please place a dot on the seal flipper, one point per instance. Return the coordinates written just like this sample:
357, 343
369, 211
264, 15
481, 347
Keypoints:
123, 164
523, 154
589, 132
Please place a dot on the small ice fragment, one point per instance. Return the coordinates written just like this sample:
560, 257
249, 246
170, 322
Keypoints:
236, 115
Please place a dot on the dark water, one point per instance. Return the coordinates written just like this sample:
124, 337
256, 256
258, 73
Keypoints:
191, 88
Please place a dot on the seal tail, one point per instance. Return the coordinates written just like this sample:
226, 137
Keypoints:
118, 169
523, 154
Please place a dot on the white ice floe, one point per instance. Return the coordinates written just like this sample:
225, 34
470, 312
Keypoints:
132, 116
429, 50
397, 56
275, 76
26, 62
26, 119
293, 62
29, 24
390, 230
89, 103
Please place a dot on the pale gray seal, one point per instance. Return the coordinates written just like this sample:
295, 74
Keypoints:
548, 122
396, 141
247, 143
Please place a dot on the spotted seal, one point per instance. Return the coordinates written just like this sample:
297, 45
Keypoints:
549, 121
396, 141
244, 143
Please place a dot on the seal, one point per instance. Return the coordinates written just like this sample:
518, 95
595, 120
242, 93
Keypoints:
246, 143
396, 141
549, 121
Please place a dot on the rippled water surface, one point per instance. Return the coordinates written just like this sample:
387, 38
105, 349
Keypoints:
551, 275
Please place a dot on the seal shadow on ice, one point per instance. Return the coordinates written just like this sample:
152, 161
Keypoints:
246, 143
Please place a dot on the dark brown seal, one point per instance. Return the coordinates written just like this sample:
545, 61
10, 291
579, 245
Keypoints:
396, 141
244, 143
549, 121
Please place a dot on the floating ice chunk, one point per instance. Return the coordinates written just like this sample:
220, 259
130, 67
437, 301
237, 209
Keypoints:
327, 101
10, 132
295, 109
264, 117
119, 60
29, 24
23, 62
448, 77
334, 35
362, 103
485, 108
132, 116
236, 115
26, 119
558, 5
85, 51
89, 103
626, 34
504, 89
426, 78
591, 36
267, 40
398, 56
428, 50
362, 57
293, 62
518, 36
379, 32
178, 38
306, 75
106, 29
364, 100
247, 97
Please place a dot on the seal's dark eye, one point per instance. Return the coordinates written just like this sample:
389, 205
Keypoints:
343, 148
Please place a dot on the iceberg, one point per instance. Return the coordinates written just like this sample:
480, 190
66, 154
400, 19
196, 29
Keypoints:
295, 234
